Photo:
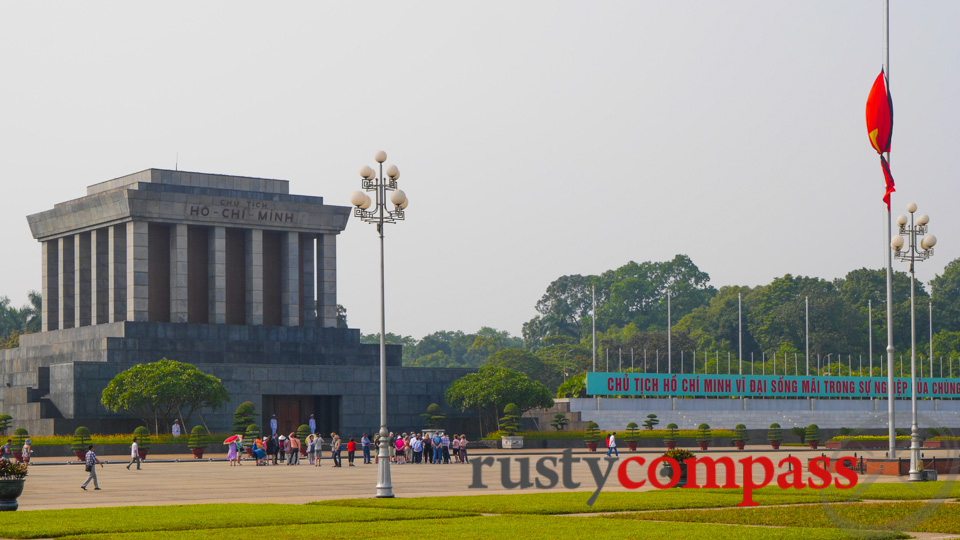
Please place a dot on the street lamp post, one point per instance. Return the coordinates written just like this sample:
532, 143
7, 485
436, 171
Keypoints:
914, 252
380, 215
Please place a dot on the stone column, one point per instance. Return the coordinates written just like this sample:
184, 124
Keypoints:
253, 259
327, 280
217, 272
65, 281
117, 272
289, 278
81, 276
99, 277
178, 273
50, 271
138, 271
308, 264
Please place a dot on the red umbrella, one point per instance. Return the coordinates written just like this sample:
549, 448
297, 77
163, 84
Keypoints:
230, 439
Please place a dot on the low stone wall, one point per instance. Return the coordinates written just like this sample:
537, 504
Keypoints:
123, 450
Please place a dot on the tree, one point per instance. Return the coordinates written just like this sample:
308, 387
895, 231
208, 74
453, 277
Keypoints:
433, 416
574, 387
559, 421
945, 290
491, 388
527, 363
159, 391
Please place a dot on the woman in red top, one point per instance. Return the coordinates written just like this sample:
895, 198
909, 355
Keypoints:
351, 448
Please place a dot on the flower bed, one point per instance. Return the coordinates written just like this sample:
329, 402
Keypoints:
867, 442
621, 435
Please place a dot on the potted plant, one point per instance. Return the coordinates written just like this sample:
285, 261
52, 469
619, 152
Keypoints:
671, 438
680, 456
199, 439
631, 437
775, 435
251, 434
704, 436
19, 437
740, 436
593, 436
813, 435
433, 416
12, 478
143, 441
302, 433
510, 425
651, 421
81, 439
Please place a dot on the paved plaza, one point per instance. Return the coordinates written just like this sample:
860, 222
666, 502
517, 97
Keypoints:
53, 484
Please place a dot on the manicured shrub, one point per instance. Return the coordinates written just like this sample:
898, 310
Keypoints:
81, 439
593, 432
703, 433
813, 433
559, 422
303, 432
199, 438
671, 435
19, 437
651, 421
631, 436
776, 433
252, 433
143, 437
243, 417
510, 423
740, 433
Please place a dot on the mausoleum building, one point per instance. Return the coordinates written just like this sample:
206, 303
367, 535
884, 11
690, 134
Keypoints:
232, 274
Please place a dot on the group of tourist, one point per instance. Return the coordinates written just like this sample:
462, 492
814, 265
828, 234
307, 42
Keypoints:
6, 452
420, 448
274, 449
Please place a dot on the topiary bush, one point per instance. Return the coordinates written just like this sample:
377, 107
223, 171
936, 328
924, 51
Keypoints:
740, 433
5, 421
704, 434
632, 429
243, 417
593, 432
199, 438
651, 421
81, 439
510, 423
559, 422
19, 437
776, 433
143, 437
813, 433
433, 416
303, 431
252, 432
671, 435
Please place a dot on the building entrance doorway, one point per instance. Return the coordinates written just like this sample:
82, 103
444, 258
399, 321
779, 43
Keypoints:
293, 411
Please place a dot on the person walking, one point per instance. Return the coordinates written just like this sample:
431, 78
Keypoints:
232, 452
335, 449
134, 455
239, 449
351, 451
25, 453
365, 446
612, 445
92, 462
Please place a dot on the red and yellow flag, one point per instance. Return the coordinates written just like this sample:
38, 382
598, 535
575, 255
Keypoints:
880, 127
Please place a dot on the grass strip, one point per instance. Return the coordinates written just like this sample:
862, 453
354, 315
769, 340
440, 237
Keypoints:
897, 517
493, 527
151, 519
612, 501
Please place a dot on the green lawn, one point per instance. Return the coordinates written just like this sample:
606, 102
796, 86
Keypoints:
55, 523
901, 516
498, 527
526, 512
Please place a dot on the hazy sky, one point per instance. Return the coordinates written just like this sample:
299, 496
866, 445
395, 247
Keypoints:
534, 139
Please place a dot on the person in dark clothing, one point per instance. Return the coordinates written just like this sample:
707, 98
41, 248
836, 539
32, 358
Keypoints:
272, 448
427, 449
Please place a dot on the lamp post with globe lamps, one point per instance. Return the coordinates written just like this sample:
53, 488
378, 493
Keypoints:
914, 252
380, 215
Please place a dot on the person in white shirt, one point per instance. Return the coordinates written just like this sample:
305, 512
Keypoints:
612, 445
134, 455
175, 430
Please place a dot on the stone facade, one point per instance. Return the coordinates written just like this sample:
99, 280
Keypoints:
231, 274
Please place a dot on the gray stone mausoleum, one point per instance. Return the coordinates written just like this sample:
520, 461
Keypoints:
232, 274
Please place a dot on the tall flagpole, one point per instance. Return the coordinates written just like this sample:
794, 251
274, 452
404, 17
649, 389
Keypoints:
890, 410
